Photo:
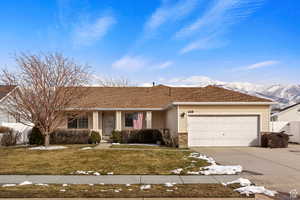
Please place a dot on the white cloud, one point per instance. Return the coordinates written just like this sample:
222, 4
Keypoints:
217, 20
203, 44
259, 65
86, 33
130, 63
164, 65
169, 12
134, 63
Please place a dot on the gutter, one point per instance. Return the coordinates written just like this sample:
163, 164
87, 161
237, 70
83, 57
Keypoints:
115, 109
171, 105
223, 103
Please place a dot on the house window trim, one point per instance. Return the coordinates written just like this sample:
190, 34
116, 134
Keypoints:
128, 113
78, 122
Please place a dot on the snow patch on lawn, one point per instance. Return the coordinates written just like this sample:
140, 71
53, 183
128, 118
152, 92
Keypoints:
255, 190
96, 173
221, 170
86, 148
170, 184
145, 187
199, 156
177, 171
214, 168
48, 148
82, 172
247, 188
8, 185
26, 183
242, 181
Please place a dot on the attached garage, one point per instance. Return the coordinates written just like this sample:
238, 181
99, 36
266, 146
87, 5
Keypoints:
223, 130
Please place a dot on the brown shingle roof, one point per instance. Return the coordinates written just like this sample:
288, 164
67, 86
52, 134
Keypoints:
160, 96
5, 89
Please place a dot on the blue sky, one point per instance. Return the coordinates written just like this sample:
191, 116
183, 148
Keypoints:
161, 40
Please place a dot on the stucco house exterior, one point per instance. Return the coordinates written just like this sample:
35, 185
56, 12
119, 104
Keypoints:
288, 120
290, 113
195, 116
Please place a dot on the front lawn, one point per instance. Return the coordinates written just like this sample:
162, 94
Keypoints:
67, 161
140, 146
120, 191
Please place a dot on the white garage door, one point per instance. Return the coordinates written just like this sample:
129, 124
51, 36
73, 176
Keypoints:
223, 130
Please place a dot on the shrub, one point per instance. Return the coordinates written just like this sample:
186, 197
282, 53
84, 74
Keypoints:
10, 137
168, 139
65, 136
36, 137
116, 137
95, 138
147, 136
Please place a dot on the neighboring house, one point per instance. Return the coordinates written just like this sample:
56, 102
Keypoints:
288, 120
195, 116
5, 91
8, 120
290, 113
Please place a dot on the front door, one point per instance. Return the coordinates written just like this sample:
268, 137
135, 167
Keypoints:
108, 123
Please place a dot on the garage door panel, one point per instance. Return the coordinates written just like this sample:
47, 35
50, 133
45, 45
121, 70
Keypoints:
223, 130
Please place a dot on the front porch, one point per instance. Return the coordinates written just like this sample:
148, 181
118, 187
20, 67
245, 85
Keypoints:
105, 122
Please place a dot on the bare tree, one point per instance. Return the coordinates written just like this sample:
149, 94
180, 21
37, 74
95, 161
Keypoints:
113, 82
47, 85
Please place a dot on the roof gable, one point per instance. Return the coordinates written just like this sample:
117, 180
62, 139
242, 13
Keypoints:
289, 108
5, 90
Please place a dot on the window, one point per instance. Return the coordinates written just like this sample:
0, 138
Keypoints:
81, 122
72, 123
129, 119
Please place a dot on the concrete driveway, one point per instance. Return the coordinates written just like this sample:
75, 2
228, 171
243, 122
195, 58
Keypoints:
279, 168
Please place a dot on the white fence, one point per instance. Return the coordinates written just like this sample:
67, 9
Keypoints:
291, 128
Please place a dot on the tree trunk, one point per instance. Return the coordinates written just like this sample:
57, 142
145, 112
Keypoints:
47, 139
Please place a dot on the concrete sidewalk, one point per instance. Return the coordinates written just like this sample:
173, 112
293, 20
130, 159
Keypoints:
115, 179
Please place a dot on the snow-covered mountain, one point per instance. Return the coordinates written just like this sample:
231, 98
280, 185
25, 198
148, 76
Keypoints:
283, 94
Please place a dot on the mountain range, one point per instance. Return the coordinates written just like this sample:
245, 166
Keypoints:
284, 94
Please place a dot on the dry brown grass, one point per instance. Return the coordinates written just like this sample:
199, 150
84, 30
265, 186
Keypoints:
106, 191
126, 146
66, 161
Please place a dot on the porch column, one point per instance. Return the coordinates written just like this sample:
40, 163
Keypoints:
95, 121
100, 122
118, 121
149, 119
